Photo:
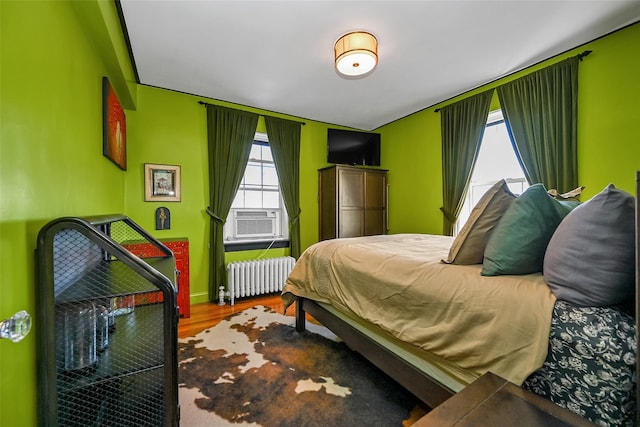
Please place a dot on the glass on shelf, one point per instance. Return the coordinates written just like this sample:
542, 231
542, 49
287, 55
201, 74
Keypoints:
77, 322
122, 305
102, 326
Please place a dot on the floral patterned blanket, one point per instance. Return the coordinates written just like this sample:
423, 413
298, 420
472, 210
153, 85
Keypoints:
591, 364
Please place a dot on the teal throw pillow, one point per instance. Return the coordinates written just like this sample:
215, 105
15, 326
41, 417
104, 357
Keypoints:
519, 240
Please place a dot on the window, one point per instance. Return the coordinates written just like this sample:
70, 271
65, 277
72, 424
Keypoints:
257, 216
496, 160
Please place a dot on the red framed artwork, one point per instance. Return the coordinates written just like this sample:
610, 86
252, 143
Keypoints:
114, 141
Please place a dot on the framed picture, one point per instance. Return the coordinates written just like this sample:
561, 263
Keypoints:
161, 183
114, 127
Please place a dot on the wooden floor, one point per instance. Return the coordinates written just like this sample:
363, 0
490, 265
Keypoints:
206, 315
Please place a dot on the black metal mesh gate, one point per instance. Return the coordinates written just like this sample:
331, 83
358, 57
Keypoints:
112, 317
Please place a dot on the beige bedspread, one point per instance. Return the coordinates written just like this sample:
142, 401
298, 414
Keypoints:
479, 324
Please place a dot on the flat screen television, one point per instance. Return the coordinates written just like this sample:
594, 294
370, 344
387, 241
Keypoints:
349, 147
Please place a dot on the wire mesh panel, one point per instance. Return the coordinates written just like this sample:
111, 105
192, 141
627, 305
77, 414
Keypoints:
122, 232
115, 361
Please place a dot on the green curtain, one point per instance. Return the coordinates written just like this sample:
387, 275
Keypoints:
284, 140
540, 111
230, 135
463, 125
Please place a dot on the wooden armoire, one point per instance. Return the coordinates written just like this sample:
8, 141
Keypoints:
352, 201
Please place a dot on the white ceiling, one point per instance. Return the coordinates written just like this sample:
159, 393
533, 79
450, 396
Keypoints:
278, 55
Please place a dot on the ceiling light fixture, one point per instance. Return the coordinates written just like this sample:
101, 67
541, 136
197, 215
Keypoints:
356, 53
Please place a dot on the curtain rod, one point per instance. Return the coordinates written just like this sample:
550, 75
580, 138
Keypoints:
583, 54
580, 56
263, 115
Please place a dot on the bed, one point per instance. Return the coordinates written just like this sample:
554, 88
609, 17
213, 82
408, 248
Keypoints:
435, 324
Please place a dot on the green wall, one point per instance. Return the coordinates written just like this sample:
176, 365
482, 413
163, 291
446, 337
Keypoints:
608, 134
170, 128
53, 57
609, 114
51, 163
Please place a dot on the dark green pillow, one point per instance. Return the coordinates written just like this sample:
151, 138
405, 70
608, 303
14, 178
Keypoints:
519, 240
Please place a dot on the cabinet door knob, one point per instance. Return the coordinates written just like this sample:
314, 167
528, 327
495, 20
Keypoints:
16, 327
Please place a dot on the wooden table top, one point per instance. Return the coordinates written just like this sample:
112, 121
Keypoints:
494, 401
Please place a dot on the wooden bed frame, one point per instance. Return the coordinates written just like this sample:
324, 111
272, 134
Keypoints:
425, 388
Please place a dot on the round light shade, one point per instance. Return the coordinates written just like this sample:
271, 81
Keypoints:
356, 53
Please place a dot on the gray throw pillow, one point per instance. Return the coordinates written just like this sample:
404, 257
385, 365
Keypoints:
468, 246
590, 260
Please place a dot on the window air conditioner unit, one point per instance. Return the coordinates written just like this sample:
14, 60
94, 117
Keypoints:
256, 223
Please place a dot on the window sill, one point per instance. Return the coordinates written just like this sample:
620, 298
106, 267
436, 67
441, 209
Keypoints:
258, 244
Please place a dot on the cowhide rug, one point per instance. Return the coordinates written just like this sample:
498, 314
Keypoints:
254, 369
